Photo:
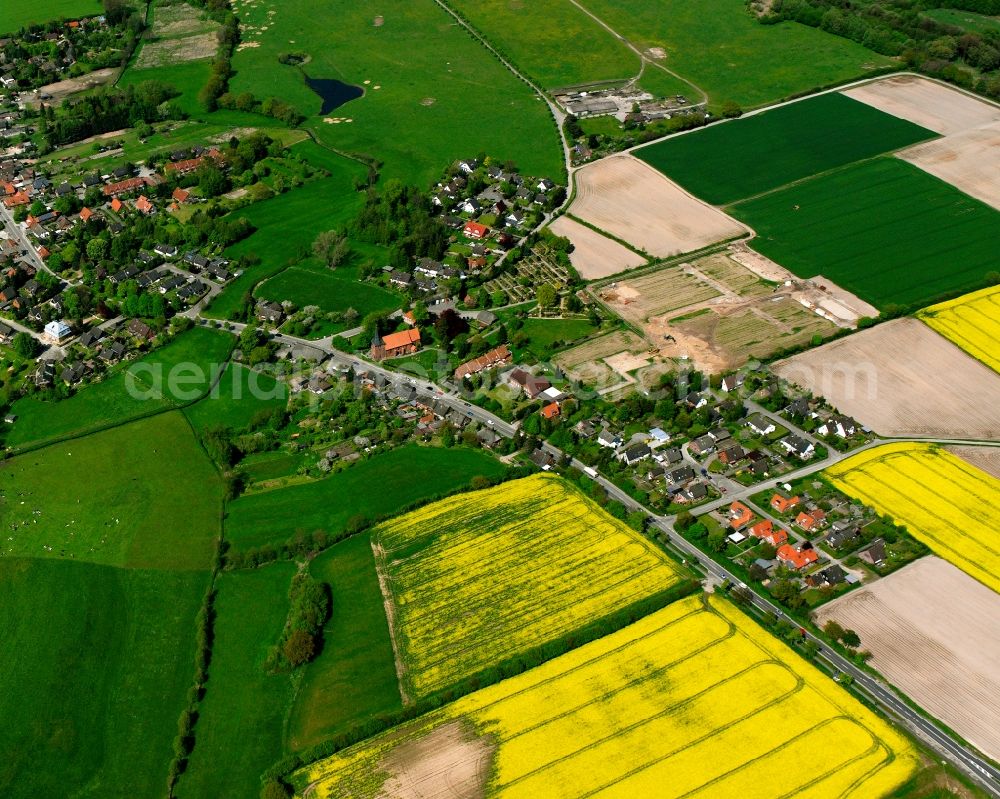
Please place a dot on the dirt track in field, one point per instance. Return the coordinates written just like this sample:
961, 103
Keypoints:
635, 203
594, 256
935, 633
903, 379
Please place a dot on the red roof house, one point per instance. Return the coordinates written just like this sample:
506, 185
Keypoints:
811, 520
551, 411
765, 532
739, 515
781, 503
144, 206
475, 231
796, 558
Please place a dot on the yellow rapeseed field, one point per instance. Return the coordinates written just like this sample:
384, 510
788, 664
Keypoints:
972, 322
480, 577
694, 700
943, 501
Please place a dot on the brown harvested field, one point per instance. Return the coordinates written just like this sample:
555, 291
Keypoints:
926, 103
903, 379
986, 459
969, 161
594, 256
934, 632
633, 202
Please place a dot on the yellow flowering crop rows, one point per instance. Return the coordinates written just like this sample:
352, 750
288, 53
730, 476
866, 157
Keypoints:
972, 322
694, 700
481, 577
943, 501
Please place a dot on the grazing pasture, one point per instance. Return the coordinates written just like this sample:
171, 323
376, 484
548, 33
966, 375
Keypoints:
972, 322
941, 499
240, 721
553, 41
940, 647
693, 700
889, 378
354, 678
633, 202
187, 77
746, 157
16, 15
130, 391
883, 229
372, 488
95, 668
123, 511
433, 93
723, 49
480, 578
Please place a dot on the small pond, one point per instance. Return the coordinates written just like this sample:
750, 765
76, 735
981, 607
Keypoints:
334, 93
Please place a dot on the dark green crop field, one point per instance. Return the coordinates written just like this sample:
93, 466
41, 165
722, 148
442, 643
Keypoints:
731, 161
884, 229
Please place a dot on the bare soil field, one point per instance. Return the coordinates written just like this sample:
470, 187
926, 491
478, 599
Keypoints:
180, 20
718, 313
926, 103
594, 256
940, 646
60, 90
986, 459
604, 362
903, 379
969, 161
451, 762
632, 201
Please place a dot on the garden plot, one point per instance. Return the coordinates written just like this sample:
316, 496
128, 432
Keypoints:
694, 700
940, 647
890, 379
594, 256
173, 51
660, 292
635, 203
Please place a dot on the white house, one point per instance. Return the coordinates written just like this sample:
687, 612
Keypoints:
57, 331
608, 439
761, 425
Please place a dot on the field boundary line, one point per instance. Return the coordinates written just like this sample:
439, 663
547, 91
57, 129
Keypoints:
390, 617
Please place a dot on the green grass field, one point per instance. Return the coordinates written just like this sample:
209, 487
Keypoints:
433, 93
288, 224
136, 389
374, 488
126, 486
15, 14
187, 77
551, 40
546, 332
239, 395
728, 162
976, 23
94, 670
240, 728
311, 283
719, 46
354, 678
883, 229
